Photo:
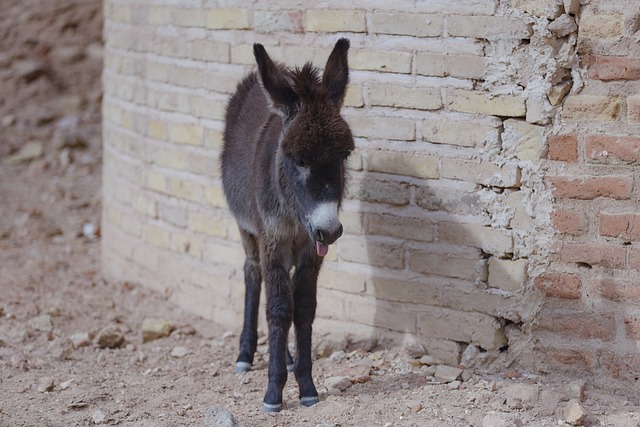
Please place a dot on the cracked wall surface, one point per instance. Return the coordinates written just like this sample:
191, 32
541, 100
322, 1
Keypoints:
472, 121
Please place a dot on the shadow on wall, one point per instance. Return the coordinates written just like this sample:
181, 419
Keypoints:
432, 260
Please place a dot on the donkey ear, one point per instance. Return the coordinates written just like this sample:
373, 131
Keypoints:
275, 82
336, 73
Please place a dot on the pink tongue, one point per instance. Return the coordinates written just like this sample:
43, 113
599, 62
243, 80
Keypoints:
321, 249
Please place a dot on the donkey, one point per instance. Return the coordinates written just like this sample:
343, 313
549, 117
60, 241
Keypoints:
283, 172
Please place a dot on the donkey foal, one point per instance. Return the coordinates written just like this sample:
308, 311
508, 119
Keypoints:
283, 172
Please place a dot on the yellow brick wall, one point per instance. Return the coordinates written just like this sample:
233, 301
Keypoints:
447, 217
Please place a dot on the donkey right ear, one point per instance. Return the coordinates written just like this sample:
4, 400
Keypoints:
274, 81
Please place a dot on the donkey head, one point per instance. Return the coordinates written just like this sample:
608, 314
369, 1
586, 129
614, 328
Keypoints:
315, 141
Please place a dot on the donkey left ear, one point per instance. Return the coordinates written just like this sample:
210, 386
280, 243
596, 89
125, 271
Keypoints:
336, 73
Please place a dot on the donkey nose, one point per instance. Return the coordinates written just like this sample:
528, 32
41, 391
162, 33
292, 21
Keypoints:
326, 236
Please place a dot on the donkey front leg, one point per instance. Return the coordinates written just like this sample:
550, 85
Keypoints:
279, 318
305, 286
252, 282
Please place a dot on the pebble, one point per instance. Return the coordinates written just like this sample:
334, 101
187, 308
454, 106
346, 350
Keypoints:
428, 360
327, 347
98, 417
42, 323
414, 406
153, 329
216, 417
45, 384
447, 374
574, 413
337, 384
180, 352
80, 339
66, 384
109, 337
356, 374
30, 151
563, 26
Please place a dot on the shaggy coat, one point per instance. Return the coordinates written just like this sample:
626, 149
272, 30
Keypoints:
283, 172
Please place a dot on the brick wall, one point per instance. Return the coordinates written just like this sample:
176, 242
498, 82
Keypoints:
453, 233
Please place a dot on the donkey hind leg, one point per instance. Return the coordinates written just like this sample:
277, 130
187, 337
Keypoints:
279, 317
252, 283
305, 280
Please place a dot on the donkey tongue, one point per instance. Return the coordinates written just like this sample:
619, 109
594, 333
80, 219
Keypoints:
321, 249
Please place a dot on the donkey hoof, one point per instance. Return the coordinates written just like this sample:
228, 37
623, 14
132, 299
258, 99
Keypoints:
242, 367
290, 367
309, 401
272, 407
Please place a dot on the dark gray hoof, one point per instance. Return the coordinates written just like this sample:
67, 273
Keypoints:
309, 401
242, 367
290, 367
272, 407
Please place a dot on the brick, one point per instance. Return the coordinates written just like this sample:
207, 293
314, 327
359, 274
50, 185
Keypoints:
354, 161
589, 107
485, 173
335, 20
185, 189
354, 98
447, 265
403, 164
185, 133
632, 327
174, 215
411, 24
188, 17
382, 127
623, 366
156, 236
403, 291
207, 50
559, 285
450, 200
266, 21
405, 97
588, 188
154, 180
385, 61
156, 129
341, 281
401, 227
634, 258
609, 68
508, 275
578, 324
601, 26
624, 226
375, 191
563, 148
633, 107
206, 223
463, 66
145, 205
370, 252
159, 15
213, 138
618, 290
572, 358
597, 254
474, 328
543, 8
458, 133
381, 314
481, 103
488, 27
571, 222
228, 19
491, 240
214, 196
526, 139
488, 301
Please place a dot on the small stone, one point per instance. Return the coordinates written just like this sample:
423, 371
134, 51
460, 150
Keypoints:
66, 384
327, 347
415, 349
180, 352
563, 26
454, 385
447, 374
68, 138
8, 120
337, 356
337, 384
428, 360
367, 344
80, 339
558, 92
98, 417
110, 337
216, 417
42, 323
29, 70
45, 384
357, 374
574, 414
574, 390
414, 406
68, 54
494, 420
152, 329
90, 231
30, 151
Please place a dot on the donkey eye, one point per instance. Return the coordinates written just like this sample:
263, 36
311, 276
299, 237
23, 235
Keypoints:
300, 162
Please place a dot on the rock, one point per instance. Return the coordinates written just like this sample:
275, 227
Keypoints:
574, 414
30, 151
415, 349
563, 26
414, 406
68, 54
66, 384
29, 70
367, 344
338, 356
8, 120
71, 138
558, 92
45, 384
357, 374
521, 396
98, 417
447, 374
90, 232
180, 352
337, 384
80, 339
61, 348
326, 347
152, 329
42, 323
574, 390
109, 337
216, 417
494, 420
428, 360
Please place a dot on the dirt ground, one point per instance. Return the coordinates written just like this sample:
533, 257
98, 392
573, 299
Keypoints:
71, 343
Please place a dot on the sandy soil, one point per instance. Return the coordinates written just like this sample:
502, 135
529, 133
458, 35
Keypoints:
71, 344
